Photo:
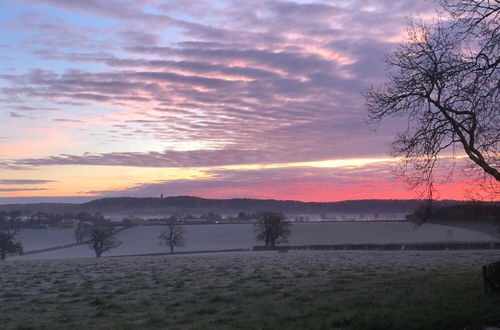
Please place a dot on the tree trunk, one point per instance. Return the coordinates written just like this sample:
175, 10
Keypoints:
98, 253
171, 249
3, 255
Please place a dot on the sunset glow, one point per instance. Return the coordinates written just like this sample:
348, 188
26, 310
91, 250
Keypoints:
206, 98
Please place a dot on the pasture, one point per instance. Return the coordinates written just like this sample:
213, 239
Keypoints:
251, 290
144, 239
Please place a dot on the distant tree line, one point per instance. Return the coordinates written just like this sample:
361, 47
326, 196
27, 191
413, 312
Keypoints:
25, 219
478, 212
247, 205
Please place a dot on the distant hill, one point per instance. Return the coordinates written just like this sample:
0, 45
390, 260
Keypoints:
196, 204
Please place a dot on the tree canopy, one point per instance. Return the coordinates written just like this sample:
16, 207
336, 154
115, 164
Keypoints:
103, 238
272, 229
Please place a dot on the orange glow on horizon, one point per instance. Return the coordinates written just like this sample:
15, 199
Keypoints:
79, 180
310, 191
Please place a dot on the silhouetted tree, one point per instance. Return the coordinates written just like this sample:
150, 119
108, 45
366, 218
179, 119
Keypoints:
88, 217
87, 222
446, 81
272, 229
174, 217
10, 219
39, 218
83, 230
173, 235
103, 239
9, 244
128, 222
421, 214
9, 225
212, 216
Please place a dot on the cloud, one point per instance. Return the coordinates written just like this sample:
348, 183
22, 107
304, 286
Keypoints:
31, 108
174, 158
111, 8
23, 181
21, 189
196, 84
15, 115
65, 120
195, 158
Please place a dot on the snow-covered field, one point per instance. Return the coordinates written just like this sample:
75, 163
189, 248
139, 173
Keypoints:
35, 239
144, 239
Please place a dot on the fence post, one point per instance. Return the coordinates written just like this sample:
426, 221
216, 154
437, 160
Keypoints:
485, 281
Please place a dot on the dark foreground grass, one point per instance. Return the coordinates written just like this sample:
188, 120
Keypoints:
295, 290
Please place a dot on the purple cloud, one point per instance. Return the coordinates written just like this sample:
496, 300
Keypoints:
256, 82
22, 181
21, 189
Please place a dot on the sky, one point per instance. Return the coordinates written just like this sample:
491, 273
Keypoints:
217, 99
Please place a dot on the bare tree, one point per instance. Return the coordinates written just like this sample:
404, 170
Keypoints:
103, 238
173, 235
272, 229
9, 244
445, 80
9, 224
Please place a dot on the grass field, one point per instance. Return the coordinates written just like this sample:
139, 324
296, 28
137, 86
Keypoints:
251, 290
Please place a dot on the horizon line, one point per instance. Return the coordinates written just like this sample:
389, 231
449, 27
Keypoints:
87, 199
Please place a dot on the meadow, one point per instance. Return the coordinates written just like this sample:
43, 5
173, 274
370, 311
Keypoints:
144, 239
251, 290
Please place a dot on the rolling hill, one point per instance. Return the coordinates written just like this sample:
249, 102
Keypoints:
151, 205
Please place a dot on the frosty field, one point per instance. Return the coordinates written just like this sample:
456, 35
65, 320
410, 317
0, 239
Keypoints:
144, 239
251, 290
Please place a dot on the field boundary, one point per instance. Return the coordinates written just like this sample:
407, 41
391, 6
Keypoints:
389, 247
54, 248
65, 246
177, 253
